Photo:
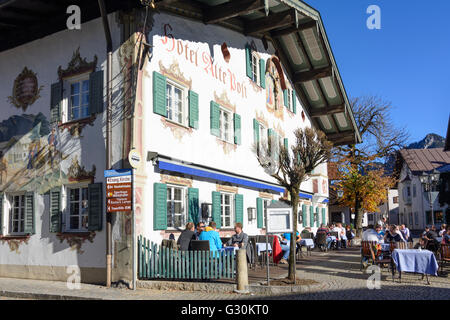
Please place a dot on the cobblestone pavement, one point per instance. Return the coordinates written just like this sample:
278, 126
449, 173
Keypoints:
337, 272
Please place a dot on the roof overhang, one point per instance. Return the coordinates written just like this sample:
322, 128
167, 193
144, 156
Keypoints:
294, 28
23, 21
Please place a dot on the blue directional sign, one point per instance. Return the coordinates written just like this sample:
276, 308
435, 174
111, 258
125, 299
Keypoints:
117, 173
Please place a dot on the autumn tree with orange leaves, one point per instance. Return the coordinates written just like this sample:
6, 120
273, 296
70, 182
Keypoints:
361, 176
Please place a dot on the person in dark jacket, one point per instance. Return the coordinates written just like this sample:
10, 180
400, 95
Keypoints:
185, 238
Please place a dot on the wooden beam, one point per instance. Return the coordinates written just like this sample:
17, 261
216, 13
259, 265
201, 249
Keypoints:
292, 29
271, 22
315, 113
344, 141
231, 9
313, 74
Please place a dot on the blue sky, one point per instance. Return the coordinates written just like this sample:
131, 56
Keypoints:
407, 62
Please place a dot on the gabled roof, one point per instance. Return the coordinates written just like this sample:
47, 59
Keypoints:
424, 160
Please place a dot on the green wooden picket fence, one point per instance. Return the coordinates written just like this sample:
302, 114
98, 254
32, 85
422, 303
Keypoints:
158, 262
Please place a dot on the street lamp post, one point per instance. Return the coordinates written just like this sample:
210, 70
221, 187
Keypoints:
429, 180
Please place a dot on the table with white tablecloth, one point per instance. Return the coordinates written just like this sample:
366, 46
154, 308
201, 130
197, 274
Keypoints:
307, 243
261, 246
415, 260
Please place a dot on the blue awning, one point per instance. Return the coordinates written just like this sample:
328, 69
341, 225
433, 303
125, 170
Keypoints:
216, 176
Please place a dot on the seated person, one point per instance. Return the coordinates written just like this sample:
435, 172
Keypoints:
394, 235
446, 237
185, 238
287, 236
350, 235
370, 234
239, 239
285, 247
431, 236
443, 230
324, 229
212, 236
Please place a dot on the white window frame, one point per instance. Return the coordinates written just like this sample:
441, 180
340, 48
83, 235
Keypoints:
66, 207
184, 103
222, 122
254, 63
222, 209
10, 206
184, 206
289, 100
263, 135
66, 103
265, 204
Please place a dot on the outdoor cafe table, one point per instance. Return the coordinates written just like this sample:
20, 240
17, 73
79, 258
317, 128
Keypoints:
385, 246
307, 243
416, 261
261, 246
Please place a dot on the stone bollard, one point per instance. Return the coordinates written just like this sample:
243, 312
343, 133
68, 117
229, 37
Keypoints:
241, 271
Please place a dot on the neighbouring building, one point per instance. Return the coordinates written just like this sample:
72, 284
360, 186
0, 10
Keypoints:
389, 211
196, 85
414, 206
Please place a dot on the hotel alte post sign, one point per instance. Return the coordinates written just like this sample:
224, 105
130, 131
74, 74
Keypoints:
119, 190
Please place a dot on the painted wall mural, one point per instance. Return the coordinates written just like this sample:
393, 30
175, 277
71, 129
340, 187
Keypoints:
25, 90
274, 90
30, 154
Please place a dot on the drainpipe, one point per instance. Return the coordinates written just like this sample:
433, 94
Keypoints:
102, 7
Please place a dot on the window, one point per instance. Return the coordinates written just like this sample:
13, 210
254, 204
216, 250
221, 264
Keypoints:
78, 209
262, 135
255, 67
266, 203
226, 210
17, 214
289, 100
395, 199
175, 103
414, 191
176, 208
226, 125
79, 99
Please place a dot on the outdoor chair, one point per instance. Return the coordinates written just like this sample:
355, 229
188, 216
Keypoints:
200, 245
379, 262
252, 245
321, 241
334, 233
366, 248
307, 235
401, 245
444, 256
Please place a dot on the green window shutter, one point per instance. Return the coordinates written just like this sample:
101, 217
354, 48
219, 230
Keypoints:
259, 212
262, 73
193, 205
239, 208
55, 210
55, 102
216, 209
311, 216
96, 92
193, 109
286, 144
255, 131
294, 102
1, 212
248, 64
159, 94
215, 116
30, 219
270, 134
95, 198
159, 206
237, 129
317, 216
286, 97
304, 213
323, 216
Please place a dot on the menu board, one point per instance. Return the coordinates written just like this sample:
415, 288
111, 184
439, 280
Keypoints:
279, 220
